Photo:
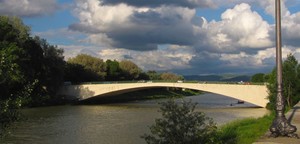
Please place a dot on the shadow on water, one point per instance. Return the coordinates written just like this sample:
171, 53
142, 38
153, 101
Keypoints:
134, 96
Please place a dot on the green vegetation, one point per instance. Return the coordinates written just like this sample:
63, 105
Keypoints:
113, 71
130, 70
95, 67
257, 78
245, 131
291, 80
31, 70
85, 68
180, 124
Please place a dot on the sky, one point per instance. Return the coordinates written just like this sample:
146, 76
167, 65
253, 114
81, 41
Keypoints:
188, 37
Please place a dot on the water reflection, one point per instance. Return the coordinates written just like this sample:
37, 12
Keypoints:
113, 123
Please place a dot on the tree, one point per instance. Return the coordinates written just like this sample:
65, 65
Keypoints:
92, 64
31, 70
291, 79
76, 73
113, 70
13, 30
53, 66
180, 124
16, 85
14, 56
259, 77
153, 75
170, 76
130, 70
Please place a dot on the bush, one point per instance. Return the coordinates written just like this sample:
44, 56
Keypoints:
180, 124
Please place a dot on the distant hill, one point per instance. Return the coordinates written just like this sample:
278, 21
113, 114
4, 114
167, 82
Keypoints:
227, 77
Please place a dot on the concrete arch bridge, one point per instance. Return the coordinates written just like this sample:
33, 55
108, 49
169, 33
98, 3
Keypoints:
255, 94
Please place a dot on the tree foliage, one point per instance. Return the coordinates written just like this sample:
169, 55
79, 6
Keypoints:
76, 73
95, 66
113, 70
153, 75
53, 66
180, 124
30, 68
129, 69
259, 77
86, 68
291, 80
170, 76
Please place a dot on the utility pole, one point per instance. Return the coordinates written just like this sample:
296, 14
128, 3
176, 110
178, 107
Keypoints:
280, 125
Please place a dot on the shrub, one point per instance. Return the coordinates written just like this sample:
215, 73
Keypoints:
180, 124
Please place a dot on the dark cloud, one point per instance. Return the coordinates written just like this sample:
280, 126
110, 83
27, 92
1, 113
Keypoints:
84, 28
30, 8
127, 57
157, 3
143, 38
290, 35
146, 30
209, 65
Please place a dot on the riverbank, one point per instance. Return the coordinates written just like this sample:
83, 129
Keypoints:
245, 131
293, 116
256, 131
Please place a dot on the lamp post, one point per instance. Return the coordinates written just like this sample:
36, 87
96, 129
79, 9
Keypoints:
280, 125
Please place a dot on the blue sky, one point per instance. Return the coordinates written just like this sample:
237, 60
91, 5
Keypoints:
180, 36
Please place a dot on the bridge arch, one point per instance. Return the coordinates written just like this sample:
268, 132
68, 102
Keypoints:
255, 94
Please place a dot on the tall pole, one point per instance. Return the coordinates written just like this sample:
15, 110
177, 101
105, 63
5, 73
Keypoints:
280, 125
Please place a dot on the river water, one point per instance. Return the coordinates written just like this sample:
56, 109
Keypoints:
112, 123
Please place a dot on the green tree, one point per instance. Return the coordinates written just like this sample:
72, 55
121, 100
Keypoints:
113, 70
153, 75
130, 70
180, 124
259, 77
13, 57
92, 64
143, 76
291, 89
16, 85
53, 66
13, 30
170, 76
26, 64
76, 73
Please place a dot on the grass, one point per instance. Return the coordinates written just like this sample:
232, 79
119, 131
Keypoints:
245, 131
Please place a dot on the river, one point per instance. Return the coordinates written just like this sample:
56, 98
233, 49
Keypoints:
121, 123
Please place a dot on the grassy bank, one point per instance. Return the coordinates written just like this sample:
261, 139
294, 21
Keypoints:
146, 94
245, 131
